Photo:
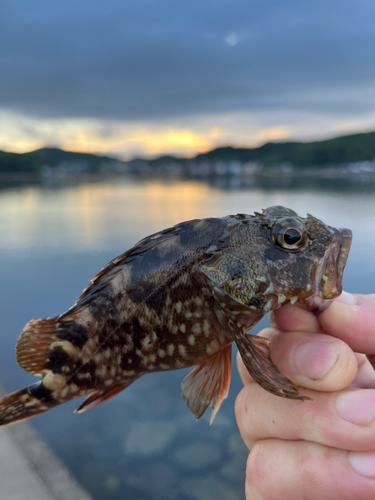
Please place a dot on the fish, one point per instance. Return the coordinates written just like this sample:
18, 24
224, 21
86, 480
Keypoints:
180, 298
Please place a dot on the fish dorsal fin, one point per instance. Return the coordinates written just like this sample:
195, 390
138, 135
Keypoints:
114, 266
256, 356
208, 384
96, 398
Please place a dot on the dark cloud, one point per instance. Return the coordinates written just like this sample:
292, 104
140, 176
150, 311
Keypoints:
159, 59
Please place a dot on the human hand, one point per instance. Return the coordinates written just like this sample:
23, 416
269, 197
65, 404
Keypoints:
322, 449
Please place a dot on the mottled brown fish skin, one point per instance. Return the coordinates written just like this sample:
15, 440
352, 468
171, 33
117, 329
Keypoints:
177, 299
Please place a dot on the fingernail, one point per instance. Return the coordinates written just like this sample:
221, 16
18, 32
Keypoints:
316, 359
357, 406
347, 298
363, 462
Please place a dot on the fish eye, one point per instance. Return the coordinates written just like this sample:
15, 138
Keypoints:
289, 233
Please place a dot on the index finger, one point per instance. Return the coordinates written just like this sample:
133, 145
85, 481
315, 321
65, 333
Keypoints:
351, 318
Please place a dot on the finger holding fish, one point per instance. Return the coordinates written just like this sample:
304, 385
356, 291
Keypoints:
312, 360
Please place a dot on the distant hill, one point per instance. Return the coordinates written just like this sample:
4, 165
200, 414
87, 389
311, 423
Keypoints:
336, 151
54, 157
13, 162
344, 149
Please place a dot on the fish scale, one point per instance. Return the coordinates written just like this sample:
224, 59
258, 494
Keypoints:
180, 298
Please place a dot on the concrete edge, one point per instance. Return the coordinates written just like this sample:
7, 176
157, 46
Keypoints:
56, 478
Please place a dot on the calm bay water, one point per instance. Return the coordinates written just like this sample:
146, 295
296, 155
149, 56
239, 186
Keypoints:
145, 443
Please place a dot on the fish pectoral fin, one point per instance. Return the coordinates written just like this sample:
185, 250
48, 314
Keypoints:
208, 384
256, 355
96, 398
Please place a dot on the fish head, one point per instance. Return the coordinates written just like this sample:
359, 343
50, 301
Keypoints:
296, 259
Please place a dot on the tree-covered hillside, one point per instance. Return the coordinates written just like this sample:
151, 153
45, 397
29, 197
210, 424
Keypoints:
337, 151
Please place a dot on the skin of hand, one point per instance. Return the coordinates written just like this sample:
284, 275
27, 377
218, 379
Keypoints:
322, 449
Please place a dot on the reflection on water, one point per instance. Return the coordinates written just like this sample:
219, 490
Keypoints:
95, 215
144, 444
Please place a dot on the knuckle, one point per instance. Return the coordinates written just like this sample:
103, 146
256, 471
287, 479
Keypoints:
256, 469
240, 406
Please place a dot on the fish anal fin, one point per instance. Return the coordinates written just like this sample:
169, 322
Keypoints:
208, 383
33, 346
96, 398
256, 355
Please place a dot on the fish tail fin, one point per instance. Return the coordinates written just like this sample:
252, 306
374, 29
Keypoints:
45, 348
25, 403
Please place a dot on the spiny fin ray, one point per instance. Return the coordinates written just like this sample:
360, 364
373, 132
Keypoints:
208, 384
256, 356
96, 398
33, 346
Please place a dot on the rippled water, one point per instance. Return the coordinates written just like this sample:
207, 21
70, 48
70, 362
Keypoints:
145, 443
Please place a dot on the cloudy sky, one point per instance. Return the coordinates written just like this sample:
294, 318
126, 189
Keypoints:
145, 77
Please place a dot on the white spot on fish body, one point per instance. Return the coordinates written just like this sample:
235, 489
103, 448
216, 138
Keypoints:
182, 350
101, 371
206, 328
146, 344
147, 312
196, 328
191, 339
164, 366
161, 353
98, 358
152, 358
178, 364
182, 328
64, 392
293, 300
54, 381
68, 347
178, 306
170, 349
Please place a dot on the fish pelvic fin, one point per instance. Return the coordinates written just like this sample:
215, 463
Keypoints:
96, 398
26, 403
208, 384
256, 355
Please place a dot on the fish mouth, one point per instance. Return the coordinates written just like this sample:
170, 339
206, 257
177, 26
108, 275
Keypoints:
334, 264
330, 272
